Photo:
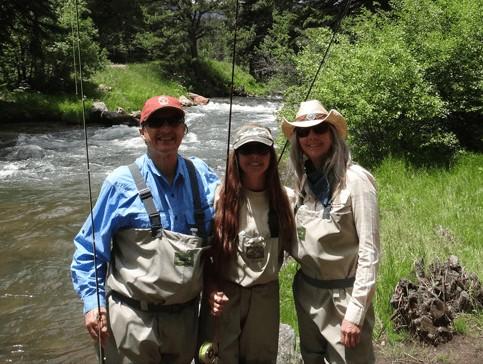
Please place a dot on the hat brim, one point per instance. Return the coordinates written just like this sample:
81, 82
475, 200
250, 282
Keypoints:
173, 110
252, 139
333, 117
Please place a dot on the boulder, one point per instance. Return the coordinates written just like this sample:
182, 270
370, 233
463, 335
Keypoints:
185, 101
198, 99
287, 352
101, 114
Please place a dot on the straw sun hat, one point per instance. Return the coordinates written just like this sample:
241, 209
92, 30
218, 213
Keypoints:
311, 113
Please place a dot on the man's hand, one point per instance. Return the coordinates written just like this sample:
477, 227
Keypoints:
350, 334
218, 301
97, 323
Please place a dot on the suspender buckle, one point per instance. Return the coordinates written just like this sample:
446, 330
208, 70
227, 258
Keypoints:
145, 193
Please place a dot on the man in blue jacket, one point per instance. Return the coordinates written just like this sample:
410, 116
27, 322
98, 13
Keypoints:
152, 222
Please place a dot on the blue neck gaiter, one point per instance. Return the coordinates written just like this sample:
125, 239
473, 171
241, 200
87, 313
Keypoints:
318, 183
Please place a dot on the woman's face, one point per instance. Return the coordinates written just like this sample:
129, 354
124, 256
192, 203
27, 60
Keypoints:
315, 142
254, 159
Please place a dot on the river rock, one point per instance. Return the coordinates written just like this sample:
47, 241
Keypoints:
287, 352
198, 99
185, 101
101, 114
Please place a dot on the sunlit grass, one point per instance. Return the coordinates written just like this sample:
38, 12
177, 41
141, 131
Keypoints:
132, 84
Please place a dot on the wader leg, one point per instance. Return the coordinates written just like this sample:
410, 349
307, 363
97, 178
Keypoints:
259, 337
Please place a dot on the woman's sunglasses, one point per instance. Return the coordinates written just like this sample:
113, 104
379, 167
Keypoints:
317, 129
254, 148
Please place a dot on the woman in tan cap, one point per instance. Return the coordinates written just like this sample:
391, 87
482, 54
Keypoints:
254, 224
338, 247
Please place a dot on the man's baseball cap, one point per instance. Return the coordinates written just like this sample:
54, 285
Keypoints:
169, 104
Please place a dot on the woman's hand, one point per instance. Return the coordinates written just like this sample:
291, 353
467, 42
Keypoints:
97, 323
350, 334
218, 301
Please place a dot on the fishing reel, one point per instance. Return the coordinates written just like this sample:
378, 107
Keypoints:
208, 353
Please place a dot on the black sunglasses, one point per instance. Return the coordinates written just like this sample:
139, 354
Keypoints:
157, 123
317, 129
254, 148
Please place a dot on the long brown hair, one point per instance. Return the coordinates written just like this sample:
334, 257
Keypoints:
226, 222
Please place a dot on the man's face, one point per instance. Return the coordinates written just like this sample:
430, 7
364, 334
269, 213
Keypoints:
163, 132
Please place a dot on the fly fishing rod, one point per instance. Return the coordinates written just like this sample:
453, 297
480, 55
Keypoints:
342, 14
81, 89
208, 352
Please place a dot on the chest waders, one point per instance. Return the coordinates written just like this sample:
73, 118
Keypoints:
158, 270
252, 251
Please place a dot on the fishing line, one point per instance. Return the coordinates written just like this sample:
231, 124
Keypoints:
79, 63
231, 89
208, 352
342, 14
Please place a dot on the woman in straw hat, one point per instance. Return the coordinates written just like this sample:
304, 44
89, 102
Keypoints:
254, 224
338, 247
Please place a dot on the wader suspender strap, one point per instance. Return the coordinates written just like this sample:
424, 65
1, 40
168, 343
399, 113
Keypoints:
199, 215
147, 199
273, 223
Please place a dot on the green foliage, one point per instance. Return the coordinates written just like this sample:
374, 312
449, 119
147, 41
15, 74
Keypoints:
445, 37
38, 53
214, 78
38, 107
118, 22
460, 325
287, 309
131, 85
398, 90
93, 57
275, 59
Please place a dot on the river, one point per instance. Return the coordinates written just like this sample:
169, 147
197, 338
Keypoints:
44, 201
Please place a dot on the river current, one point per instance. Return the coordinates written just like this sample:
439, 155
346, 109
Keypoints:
44, 200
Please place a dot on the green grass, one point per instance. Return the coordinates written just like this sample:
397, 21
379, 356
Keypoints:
126, 86
429, 214
424, 213
131, 85
244, 83
287, 308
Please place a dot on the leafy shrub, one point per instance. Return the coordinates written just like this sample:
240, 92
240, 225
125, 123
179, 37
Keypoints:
393, 76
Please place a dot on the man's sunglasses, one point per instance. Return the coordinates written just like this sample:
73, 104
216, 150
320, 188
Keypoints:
317, 129
157, 123
254, 148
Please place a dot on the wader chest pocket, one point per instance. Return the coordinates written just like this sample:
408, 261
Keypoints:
254, 248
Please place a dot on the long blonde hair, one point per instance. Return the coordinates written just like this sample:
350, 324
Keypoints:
335, 164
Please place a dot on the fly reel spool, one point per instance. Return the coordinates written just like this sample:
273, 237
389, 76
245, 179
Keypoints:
208, 353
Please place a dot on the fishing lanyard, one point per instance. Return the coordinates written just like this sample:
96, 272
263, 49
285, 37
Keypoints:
342, 14
79, 64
